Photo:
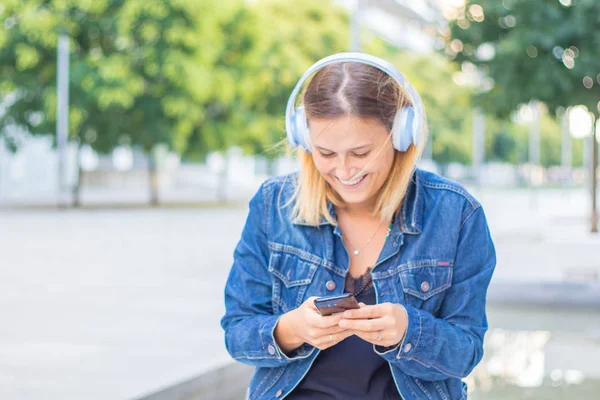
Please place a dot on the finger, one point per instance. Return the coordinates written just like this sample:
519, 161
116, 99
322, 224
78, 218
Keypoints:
374, 311
319, 321
328, 341
387, 339
334, 330
310, 302
318, 334
365, 325
370, 337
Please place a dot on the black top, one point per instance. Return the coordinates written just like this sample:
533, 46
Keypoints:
349, 370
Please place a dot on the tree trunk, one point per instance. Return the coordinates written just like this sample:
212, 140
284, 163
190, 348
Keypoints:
594, 175
355, 24
566, 153
271, 167
153, 179
222, 188
1, 158
478, 148
76, 201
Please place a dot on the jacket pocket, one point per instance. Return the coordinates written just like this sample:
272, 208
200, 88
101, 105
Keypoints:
292, 274
423, 283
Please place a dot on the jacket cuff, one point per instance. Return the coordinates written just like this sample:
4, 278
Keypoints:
267, 336
409, 344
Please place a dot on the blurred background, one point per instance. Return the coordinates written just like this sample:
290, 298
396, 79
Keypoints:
133, 133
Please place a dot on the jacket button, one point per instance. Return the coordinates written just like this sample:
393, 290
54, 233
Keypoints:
330, 285
407, 347
425, 286
279, 393
271, 350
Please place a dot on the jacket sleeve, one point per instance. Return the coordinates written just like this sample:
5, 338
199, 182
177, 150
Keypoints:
249, 322
452, 345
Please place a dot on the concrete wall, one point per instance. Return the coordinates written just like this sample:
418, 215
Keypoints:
228, 382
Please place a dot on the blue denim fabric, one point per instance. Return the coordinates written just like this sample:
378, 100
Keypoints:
441, 237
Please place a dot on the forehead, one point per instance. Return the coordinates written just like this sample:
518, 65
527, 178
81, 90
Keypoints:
346, 129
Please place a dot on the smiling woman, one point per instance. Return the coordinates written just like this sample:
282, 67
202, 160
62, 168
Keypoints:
357, 105
355, 173
421, 283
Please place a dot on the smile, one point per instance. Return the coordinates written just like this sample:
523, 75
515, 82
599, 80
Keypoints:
352, 182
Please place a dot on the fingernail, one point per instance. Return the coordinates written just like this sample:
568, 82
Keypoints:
347, 314
342, 324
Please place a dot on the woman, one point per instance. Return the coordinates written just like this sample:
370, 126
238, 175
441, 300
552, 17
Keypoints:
359, 217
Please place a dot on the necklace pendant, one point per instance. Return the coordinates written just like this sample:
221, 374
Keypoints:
355, 252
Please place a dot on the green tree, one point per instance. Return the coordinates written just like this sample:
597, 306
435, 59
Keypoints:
448, 105
504, 140
533, 50
141, 72
269, 44
169, 50
28, 67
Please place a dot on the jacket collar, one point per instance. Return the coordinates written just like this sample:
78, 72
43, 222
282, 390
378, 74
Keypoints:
411, 215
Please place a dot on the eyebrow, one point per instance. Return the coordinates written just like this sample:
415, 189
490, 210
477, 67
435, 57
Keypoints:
354, 148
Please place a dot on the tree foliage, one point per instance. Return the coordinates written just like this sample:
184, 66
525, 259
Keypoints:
532, 49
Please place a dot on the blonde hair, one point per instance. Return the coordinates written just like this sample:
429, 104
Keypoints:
367, 92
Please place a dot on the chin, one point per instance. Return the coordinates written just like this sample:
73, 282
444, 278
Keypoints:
355, 198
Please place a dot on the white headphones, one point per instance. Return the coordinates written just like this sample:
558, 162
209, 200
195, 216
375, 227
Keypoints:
408, 121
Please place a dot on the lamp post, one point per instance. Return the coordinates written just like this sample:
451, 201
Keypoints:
566, 154
355, 26
62, 111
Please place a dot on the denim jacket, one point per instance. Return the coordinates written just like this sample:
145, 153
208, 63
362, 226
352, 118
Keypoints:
437, 263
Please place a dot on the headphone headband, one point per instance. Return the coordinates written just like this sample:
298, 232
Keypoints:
297, 136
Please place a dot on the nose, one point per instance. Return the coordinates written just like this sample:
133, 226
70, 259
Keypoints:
344, 171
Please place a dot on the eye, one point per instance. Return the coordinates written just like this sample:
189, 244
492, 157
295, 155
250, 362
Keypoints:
327, 155
363, 155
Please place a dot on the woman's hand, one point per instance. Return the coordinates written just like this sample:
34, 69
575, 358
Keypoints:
381, 324
306, 325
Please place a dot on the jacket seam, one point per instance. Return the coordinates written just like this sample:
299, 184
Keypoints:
417, 341
469, 216
409, 266
440, 391
418, 382
435, 366
275, 379
258, 387
266, 208
406, 378
306, 256
452, 188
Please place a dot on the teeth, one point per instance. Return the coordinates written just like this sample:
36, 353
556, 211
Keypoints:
353, 182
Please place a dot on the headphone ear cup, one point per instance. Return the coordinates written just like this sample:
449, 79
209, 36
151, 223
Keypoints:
302, 133
403, 129
291, 131
415, 127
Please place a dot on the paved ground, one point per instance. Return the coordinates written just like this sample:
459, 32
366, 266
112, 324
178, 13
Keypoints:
113, 304
110, 304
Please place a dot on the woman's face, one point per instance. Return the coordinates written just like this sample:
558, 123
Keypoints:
343, 147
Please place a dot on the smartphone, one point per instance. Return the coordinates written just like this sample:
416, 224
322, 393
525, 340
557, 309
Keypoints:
335, 304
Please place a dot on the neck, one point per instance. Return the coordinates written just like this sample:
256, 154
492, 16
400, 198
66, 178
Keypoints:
357, 211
